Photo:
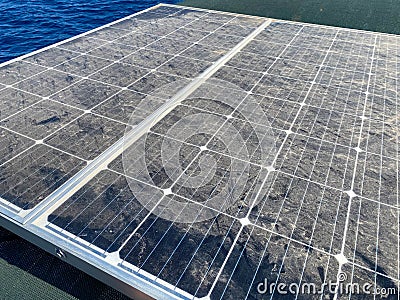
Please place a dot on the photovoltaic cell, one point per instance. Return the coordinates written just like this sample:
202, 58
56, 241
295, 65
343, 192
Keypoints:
13, 101
211, 154
258, 257
41, 119
18, 71
189, 256
124, 105
47, 83
52, 57
88, 136
86, 94
82, 44
12, 144
35, 174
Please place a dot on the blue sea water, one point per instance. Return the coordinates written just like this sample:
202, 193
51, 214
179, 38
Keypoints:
28, 25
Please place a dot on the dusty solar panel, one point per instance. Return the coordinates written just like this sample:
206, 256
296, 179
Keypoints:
197, 154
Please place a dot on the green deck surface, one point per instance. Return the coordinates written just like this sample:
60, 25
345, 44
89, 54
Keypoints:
28, 272
19, 284
382, 15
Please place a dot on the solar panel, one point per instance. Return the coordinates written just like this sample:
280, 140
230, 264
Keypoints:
192, 154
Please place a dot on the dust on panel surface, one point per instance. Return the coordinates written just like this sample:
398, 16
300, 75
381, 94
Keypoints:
281, 168
78, 97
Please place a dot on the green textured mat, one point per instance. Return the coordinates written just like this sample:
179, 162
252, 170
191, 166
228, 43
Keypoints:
18, 284
27, 272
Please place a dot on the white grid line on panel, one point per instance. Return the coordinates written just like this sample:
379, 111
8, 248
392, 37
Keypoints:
376, 273
355, 169
257, 195
378, 196
302, 201
194, 220
355, 244
379, 205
